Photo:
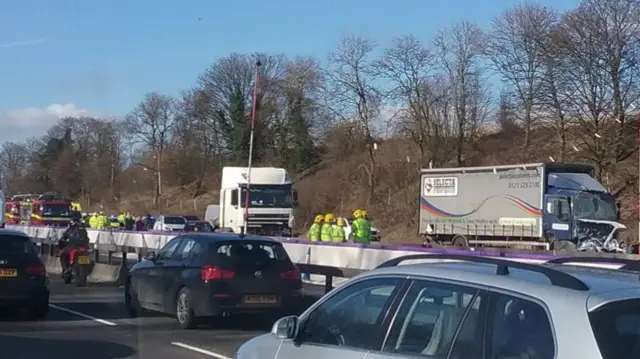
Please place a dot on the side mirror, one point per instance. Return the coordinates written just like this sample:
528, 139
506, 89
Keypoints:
285, 328
150, 256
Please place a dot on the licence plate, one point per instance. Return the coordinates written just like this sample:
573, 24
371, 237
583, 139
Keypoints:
260, 299
8, 273
83, 260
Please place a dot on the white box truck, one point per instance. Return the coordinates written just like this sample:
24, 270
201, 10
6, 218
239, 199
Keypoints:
272, 200
548, 205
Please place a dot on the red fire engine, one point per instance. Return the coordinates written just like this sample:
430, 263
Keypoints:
12, 211
47, 209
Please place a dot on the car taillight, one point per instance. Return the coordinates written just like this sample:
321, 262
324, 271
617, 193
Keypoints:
293, 274
37, 270
208, 273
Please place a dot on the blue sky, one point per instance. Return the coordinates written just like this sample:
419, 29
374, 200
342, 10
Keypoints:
100, 57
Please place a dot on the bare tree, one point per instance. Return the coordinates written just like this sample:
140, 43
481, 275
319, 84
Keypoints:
151, 123
13, 158
411, 69
553, 97
350, 75
460, 48
587, 78
514, 50
617, 23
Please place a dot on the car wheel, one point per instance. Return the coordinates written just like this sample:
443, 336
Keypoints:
184, 313
131, 302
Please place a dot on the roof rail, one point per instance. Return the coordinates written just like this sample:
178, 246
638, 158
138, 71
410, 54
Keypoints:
627, 264
556, 277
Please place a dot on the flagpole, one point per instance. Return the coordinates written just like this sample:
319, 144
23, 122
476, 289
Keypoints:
252, 124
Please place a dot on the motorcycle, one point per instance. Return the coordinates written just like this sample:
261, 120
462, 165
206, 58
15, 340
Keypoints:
78, 267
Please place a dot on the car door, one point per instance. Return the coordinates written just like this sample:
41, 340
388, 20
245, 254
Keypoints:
156, 272
520, 327
175, 271
348, 323
557, 217
437, 320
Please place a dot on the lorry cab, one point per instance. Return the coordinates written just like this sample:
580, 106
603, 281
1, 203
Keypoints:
271, 200
580, 212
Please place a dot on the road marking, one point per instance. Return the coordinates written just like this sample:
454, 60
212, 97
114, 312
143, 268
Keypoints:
97, 320
200, 350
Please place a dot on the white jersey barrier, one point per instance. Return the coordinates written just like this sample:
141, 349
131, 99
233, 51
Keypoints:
339, 255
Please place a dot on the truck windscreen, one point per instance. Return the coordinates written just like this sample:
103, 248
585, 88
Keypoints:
56, 210
268, 196
598, 207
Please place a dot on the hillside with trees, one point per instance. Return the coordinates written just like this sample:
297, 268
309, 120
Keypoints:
355, 128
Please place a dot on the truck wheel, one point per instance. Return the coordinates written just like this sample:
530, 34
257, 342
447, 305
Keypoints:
460, 241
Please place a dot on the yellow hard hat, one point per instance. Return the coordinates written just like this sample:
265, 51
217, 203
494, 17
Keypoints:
319, 218
328, 217
340, 222
357, 214
363, 213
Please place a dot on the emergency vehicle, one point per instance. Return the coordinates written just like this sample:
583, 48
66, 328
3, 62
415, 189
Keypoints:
47, 209
12, 211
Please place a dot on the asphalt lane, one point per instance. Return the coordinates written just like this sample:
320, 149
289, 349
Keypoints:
91, 322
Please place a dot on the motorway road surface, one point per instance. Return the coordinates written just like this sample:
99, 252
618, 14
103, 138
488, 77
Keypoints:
90, 322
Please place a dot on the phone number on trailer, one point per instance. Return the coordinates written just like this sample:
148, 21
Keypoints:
526, 184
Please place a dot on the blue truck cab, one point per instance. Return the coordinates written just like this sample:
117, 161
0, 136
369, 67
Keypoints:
579, 212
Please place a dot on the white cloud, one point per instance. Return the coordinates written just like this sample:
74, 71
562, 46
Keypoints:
23, 43
40, 118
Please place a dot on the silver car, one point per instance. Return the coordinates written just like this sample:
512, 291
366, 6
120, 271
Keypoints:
468, 307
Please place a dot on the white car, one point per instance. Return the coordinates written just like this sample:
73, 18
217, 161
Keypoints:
170, 223
467, 308
375, 233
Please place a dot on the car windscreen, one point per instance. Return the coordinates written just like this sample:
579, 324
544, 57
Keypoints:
175, 220
16, 245
234, 252
616, 327
192, 218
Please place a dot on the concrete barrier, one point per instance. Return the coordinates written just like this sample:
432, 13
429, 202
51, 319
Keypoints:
337, 255
99, 272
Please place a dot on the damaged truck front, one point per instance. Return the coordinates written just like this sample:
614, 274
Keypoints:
548, 205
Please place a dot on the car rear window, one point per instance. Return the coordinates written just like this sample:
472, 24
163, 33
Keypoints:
251, 251
175, 220
16, 245
616, 327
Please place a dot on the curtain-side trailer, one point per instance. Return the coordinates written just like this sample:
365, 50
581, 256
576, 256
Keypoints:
544, 205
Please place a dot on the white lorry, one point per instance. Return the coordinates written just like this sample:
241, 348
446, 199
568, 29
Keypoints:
272, 200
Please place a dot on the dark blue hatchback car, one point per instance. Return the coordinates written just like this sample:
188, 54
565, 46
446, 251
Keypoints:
200, 275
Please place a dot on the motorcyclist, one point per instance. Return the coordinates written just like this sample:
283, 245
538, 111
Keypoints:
73, 237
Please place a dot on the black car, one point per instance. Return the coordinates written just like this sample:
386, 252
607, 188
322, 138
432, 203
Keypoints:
24, 286
199, 275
